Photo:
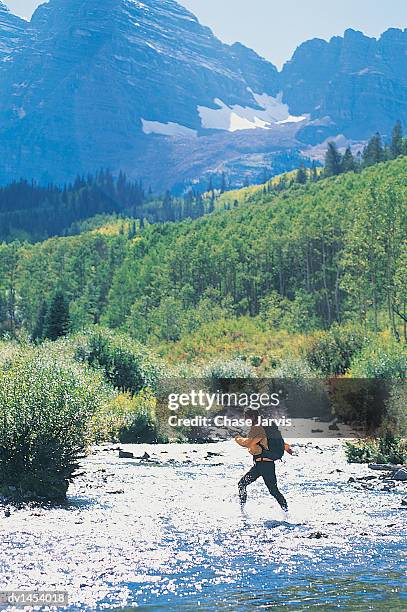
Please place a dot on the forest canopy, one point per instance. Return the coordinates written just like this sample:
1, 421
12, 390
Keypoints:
302, 258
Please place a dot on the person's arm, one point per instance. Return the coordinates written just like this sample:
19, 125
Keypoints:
245, 442
288, 449
256, 435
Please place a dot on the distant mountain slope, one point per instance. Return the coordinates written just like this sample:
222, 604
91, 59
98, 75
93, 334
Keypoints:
143, 87
100, 76
12, 29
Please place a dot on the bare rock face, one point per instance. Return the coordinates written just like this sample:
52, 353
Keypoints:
143, 87
12, 29
356, 83
98, 80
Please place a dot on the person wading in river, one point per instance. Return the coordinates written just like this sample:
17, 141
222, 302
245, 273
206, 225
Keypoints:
267, 446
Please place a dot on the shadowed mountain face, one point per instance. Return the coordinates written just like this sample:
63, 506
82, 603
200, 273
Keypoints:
144, 87
97, 79
354, 85
12, 29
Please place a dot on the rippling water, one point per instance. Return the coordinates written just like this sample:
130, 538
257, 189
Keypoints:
171, 536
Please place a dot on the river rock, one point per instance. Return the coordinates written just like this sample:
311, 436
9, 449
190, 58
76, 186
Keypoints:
125, 455
400, 475
144, 457
385, 467
317, 535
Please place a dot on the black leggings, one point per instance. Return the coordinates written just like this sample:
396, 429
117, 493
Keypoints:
267, 470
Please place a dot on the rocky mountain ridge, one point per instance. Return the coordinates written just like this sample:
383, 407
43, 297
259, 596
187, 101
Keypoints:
142, 86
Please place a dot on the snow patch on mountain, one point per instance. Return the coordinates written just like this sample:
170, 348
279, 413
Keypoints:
272, 111
167, 129
140, 5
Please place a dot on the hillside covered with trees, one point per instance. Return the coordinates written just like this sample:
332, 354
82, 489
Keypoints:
304, 258
33, 212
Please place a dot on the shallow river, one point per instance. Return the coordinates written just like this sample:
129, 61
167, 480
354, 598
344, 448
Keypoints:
171, 536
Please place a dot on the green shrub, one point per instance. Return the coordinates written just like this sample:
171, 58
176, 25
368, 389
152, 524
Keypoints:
125, 363
232, 369
331, 351
295, 369
361, 451
45, 410
128, 419
396, 409
388, 449
361, 402
305, 393
297, 315
9, 352
380, 358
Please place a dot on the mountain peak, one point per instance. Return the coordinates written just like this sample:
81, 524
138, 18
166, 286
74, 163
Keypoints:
142, 86
351, 33
100, 78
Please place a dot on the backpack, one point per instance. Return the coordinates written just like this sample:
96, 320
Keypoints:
276, 445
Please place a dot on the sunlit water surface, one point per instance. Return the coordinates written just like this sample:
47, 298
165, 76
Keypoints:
171, 536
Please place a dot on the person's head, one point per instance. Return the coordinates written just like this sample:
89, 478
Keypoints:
251, 415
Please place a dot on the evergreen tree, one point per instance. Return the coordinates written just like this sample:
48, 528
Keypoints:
348, 161
199, 206
38, 331
223, 183
301, 176
333, 160
132, 230
211, 205
56, 322
396, 147
374, 152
